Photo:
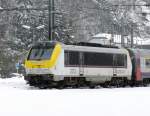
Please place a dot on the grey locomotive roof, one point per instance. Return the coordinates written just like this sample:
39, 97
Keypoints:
93, 49
87, 48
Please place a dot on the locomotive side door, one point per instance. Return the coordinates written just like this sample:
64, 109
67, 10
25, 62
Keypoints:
81, 62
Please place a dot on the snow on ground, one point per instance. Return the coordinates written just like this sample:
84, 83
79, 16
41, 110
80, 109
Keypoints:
18, 99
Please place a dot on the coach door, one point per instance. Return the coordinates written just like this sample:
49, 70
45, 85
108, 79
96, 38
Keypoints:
114, 65
81, 62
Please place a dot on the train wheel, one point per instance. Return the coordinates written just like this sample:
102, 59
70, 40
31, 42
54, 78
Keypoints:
60, 85
31, 83
90, 85
42, 86
106, 84
119, 81
146, 82
81, 82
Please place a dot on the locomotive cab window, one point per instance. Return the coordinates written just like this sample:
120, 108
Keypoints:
41, 53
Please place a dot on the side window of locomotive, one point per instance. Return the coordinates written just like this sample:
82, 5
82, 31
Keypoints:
121, 60
98, 59
71, 58
147, 63
66, 58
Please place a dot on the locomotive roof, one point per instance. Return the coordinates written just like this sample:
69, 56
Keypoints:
94, 49
89, 47
93, 45
51, 43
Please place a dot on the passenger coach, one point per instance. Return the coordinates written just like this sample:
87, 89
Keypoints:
140, 65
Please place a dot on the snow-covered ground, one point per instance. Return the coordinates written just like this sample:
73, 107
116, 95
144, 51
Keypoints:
18, 99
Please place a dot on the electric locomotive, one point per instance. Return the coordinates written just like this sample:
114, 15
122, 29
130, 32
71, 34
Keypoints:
55, 64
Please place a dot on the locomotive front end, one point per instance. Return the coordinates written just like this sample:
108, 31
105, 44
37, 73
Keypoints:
41, 62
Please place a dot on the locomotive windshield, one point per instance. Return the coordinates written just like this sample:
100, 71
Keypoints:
40, 52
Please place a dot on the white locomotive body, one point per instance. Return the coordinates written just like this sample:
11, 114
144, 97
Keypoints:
76, 64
